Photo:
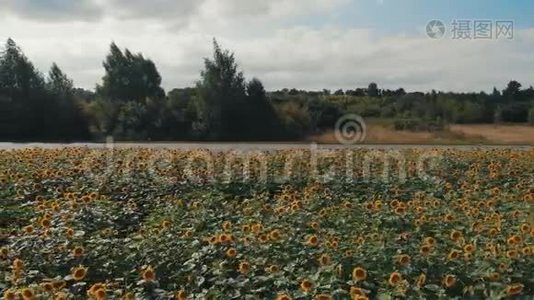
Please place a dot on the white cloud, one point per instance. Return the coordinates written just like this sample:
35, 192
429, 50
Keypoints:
52, 10
280, 53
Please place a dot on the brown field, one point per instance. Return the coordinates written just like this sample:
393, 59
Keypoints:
380, 133
498, 134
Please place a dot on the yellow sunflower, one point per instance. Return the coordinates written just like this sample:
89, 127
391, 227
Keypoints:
181, 295
244, 267
421, 280
79, 273
324, 260
514, 289
283, 297
232, 252
449, 280
394, 278
359, 274
77, 251
149, 274
306, 285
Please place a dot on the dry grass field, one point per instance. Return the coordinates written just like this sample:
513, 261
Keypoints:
379, 133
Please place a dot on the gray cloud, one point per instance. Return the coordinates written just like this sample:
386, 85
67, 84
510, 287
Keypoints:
52, 10
156, 9
266, 47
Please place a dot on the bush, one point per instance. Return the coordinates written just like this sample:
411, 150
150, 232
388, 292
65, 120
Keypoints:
418, 125
531, 116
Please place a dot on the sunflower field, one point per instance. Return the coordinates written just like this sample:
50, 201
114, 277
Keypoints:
81, 223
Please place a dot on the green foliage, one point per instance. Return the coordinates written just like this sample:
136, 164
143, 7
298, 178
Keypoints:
129, 77
58, 82
230, 108
295, 118
130, 212
130, 104
222, 91
35, 109
372, 90
418, 125
130, 97
531, 116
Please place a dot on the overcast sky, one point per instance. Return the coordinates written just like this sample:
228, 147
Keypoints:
306, 44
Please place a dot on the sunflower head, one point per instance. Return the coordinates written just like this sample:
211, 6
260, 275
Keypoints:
79, 273
148, 274
449, 280
356, 291
275, 235
403, 259
231, 252
312, 240
512, 253
306, 285
324, 260
27, 294
469, 248
514, 289
429, 241
425, 249
10, 295
47, 287
101, 294
359, 274
59, 284
245, 228
421, 279
394, 278
273, 269
18, 264
227, 225
166, 224
453, 254
455, 235
283, 297
3, 252
69, 232
181, 295
28, 229
225, 238
45, 222
128, 296
244, 267
495, 276
77, 251
323, 297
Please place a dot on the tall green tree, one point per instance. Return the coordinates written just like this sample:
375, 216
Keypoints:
21, 95
131, 94
512, 91
260, 120
222, 93
372, 90
65, 117
129, 77
58, 82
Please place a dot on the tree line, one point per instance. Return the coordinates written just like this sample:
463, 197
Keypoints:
130, 104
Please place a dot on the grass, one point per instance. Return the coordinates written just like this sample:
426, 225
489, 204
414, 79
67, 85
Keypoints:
382, 132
